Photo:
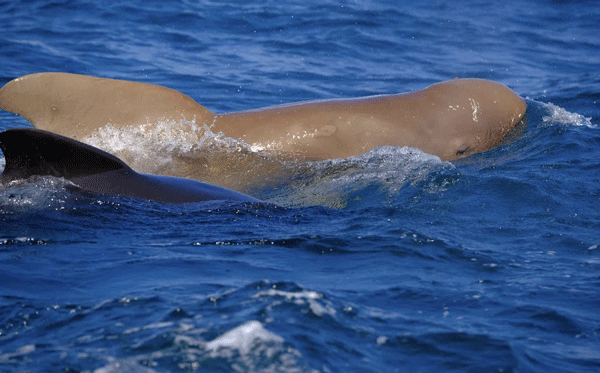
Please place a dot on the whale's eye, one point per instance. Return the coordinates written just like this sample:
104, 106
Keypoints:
463, 151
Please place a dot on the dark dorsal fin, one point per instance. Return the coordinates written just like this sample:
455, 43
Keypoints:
30, 152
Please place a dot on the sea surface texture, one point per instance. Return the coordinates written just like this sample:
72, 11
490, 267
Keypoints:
391, 261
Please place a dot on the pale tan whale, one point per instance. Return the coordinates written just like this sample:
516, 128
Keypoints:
451, 119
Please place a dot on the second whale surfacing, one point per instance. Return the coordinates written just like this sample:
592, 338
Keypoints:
451, 119
31, 152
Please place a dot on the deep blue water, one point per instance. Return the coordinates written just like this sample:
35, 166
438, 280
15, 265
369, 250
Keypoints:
390, 261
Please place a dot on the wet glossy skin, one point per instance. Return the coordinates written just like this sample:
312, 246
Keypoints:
449, 119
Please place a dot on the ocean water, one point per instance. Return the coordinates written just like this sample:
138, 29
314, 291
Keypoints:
389, 261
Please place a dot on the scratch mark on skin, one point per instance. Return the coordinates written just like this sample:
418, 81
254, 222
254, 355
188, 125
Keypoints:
475, 107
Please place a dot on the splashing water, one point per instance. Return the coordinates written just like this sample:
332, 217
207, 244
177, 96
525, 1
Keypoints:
559, 115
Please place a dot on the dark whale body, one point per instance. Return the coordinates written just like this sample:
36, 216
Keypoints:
30, 152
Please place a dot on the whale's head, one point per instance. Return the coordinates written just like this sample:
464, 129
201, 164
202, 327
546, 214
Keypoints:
470, 116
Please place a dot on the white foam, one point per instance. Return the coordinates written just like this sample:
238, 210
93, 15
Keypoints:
252, 348
302, 297
559, 115
149, 147
243, 339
